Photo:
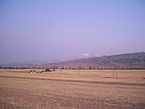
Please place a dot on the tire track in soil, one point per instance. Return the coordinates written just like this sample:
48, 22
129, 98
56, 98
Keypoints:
78, 81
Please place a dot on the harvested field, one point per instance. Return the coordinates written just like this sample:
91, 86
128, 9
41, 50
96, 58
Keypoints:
72, 89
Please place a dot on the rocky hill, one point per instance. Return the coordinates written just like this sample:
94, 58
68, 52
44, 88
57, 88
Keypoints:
130, 60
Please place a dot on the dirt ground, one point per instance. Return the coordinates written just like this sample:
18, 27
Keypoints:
72, 89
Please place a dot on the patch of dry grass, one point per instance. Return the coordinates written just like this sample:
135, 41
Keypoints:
49, 91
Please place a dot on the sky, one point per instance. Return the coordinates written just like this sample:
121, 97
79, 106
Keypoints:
61, 29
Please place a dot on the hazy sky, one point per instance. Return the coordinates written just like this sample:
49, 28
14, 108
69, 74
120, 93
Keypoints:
60, 29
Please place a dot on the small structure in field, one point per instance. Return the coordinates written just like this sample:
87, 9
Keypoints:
115, 73
32, 71
53, 69
48, 70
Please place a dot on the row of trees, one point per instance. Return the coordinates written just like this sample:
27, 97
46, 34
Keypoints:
79, 67
100, 68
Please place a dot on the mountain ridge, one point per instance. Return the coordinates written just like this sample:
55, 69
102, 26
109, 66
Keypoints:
127, 60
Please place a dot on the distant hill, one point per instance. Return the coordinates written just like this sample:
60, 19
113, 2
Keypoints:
130, 60
121, 61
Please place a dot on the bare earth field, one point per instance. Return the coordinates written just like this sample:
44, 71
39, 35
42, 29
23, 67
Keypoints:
72, 89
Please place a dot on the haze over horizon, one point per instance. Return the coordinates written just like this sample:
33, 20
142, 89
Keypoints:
54, 29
